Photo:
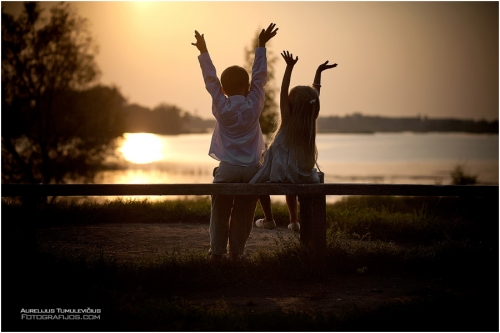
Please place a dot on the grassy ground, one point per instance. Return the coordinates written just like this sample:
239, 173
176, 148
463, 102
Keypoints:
453, 238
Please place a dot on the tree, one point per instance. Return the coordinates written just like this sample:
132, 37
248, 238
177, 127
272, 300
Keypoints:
168, 119
55, 125
459, 177
163, 119
269, 117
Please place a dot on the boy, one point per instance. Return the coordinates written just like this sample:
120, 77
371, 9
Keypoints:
236, 142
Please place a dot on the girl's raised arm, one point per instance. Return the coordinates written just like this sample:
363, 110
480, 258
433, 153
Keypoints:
285, 85
317, 77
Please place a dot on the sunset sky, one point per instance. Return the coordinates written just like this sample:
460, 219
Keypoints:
438, 59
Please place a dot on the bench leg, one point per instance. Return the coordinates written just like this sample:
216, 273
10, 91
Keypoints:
313, 228
319, 232
28, 224
305, 218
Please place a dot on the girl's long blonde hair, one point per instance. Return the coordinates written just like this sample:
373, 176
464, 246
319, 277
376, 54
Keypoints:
300, 129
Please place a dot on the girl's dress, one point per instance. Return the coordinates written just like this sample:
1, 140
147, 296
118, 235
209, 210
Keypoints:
280, 166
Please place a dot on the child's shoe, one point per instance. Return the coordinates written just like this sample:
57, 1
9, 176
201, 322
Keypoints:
266, 225
294, 226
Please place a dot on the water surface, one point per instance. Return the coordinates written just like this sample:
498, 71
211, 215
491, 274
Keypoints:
387, 158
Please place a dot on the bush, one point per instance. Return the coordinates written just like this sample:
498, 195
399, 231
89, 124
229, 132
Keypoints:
459, 177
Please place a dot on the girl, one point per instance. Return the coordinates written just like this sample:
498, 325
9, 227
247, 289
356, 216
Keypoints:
292, 154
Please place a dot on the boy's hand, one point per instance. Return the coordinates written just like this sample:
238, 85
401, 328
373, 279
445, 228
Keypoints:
289, 58
266, 35
325, 66
200, 42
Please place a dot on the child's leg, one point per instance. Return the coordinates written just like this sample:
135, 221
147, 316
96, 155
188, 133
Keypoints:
291, 202
242, 215
241, 223
219, 223
265, 203
220, 214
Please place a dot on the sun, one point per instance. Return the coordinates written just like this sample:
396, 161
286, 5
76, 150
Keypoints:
142, 148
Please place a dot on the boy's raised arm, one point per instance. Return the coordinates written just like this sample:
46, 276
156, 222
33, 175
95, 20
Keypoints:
200, 42
267, 34
317, 77
285, 84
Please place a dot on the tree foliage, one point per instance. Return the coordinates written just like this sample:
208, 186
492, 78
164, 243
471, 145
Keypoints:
269, 116
170, 118
460, 177
163, 119
56, 126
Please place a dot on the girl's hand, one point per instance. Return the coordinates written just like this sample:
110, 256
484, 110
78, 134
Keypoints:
289, 58
325, 65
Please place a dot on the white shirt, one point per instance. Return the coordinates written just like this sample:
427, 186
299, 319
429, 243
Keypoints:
237, 137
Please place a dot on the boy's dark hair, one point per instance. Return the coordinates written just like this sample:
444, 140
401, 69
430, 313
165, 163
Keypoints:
235, 80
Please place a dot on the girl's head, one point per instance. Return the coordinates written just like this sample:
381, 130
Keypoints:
300, 130
304, 102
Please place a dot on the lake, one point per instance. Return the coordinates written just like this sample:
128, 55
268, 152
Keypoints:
385, 158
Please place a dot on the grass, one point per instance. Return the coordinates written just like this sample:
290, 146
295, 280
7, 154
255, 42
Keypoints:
453, 238
86, 212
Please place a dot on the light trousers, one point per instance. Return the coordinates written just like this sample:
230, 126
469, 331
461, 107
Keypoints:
231, 218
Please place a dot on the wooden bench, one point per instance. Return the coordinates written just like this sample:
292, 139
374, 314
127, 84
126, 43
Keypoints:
312, 198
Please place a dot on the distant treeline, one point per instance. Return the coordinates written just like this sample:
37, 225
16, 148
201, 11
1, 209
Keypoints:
169, 119
358, 123
163, 119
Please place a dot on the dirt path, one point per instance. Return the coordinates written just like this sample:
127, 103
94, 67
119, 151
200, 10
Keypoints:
130, 241
134, 241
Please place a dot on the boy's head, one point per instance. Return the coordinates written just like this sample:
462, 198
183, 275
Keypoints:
235, 81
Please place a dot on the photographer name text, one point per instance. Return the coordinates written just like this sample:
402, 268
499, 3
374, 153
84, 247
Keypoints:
61, 314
